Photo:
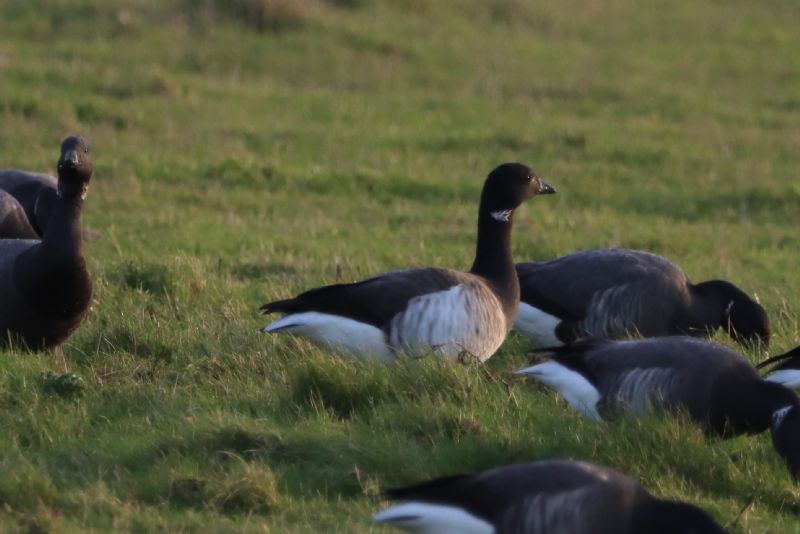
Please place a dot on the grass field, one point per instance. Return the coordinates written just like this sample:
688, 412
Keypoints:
247, 150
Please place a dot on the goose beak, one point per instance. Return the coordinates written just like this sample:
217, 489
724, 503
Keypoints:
545, 188
69, 159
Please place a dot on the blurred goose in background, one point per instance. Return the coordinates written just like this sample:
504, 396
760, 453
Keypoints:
551, 496
716, 386
45, 288
786, 370
617, 293
453, 313
13, 221
35, 193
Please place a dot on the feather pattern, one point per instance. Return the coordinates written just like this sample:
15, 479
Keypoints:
451, 312
569, 511
639, 389
663, 372
606, 293
375, 300
618, 311
35, 193
463, 321
14, 223
538, 498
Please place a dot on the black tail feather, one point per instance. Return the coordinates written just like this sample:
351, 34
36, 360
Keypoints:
574, 348
794, 353
277, 306
436, 490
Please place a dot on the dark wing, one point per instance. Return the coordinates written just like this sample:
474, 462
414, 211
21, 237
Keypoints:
12, 179
14, 223
374, 300
669, 372
535, 497
26, 187
565, 287
787, 360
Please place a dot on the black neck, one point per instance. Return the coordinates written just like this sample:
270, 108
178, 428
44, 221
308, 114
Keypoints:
709, 301
43, 209
55, 270
493, 260
747, 406
63, 238
667, 517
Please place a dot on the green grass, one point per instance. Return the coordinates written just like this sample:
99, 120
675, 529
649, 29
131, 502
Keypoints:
247, 150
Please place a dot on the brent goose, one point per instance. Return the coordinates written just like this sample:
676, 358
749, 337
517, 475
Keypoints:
562, 496
617, 293
453, 313
44, 286
13, 221
716, 386
786, 370
35, 192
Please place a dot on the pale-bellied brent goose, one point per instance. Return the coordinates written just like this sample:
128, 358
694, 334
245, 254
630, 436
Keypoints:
549, 496
36, 193
617, 293
453, 313
786, 370
716, 386
45, 289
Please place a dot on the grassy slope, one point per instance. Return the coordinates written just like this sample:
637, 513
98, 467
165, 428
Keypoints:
236, 166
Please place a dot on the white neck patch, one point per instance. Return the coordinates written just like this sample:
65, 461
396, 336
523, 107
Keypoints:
779, 415
501, 215
728, 309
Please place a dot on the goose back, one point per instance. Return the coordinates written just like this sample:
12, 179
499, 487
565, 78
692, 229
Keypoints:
35, 193
619, 293
14, 222
451, 312
539, 497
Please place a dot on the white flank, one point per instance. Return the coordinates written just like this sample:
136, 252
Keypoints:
640, 389
337, 333
433, 519
465, 320
537, 325
787, 377
578, 392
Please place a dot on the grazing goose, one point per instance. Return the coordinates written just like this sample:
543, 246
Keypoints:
44, 286
453, 313
563, 496
787, 369
36, 193
716, 386
13, 221
617, 293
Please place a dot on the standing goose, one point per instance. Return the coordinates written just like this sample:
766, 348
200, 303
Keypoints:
35, 193
786, 370
453, 313
13, 220
716, 386
616, 293
563, 496
45, 289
